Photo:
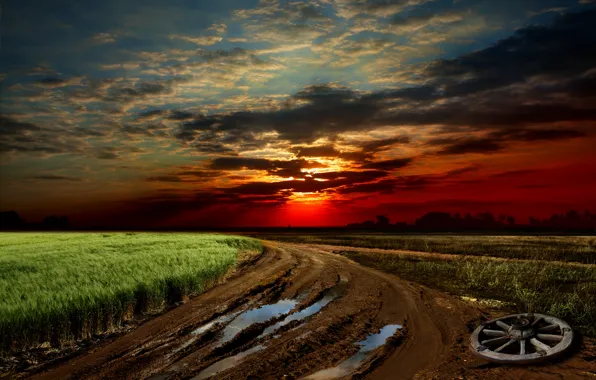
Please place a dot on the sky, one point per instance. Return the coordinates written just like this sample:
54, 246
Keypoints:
302, 113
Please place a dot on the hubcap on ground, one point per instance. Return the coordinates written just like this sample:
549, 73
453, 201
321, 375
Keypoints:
521, 338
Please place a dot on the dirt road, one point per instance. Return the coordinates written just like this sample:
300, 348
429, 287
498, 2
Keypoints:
297, 312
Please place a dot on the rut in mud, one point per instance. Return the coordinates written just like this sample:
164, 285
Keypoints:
299, 312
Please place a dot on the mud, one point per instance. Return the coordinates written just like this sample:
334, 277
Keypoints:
300, 310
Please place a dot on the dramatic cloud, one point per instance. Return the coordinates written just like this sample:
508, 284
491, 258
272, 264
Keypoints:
274, 108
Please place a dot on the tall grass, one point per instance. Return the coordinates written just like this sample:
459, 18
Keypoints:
580, 249
564, 290
60, 287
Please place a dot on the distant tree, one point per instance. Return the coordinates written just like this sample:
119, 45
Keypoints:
573, 216
368, 224
382, 220
10, 220
56, 222
441, 220
534, 221
486, 217
511, 220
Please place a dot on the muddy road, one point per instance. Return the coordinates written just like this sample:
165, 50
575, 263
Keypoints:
303, 312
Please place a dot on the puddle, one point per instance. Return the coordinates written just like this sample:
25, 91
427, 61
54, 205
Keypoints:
329, 296
257, 315
202, 329
368, 345
226, 363
223, 319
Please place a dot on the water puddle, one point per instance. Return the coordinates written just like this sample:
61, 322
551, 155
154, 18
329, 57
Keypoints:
257, 315
328, 296
226, 363
202, 329
368, 345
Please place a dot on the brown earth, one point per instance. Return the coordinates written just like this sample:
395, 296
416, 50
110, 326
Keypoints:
431, 345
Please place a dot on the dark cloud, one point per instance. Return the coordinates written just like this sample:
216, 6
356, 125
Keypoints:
353, 176
107, 153
467, 169
384, 187
500, 139
365, 154
50, 177
397, 163
10, 126
165, 178
472, 145
515, 173
179, 115
316, 151
214, 148
200, 173
309, 184
539, 134
562, 52
167, 114
383, 144
51, 82
26, 137
331, 152
240, 163
150, 114
192, 176
562, 49
327, 114
290, 168
405, 183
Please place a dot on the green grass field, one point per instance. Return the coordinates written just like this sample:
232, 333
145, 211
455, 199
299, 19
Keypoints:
59, 287
581, 249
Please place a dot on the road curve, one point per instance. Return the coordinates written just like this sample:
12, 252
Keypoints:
212, 334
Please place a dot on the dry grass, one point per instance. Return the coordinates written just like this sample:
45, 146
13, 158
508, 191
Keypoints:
545, 274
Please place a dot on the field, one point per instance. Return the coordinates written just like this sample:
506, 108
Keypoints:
544, 274
581, 249
59, 287
298, 311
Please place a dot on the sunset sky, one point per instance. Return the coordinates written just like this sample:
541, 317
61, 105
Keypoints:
309, 113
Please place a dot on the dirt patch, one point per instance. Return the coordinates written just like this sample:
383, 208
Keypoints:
186, 342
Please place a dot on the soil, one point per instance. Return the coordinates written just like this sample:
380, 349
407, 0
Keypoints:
432, 344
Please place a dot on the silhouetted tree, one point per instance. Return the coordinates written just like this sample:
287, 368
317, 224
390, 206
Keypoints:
534, 221
502, 218
382, 220
11, 220
55, 222
435, 219
511, 220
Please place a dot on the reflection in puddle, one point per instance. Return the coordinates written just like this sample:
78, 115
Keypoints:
226, 363
371, 343
201, 330
258, 315
329, 296
223, 319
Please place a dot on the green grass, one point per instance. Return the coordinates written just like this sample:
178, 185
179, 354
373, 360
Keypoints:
564, 290
60, 287
580, 249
